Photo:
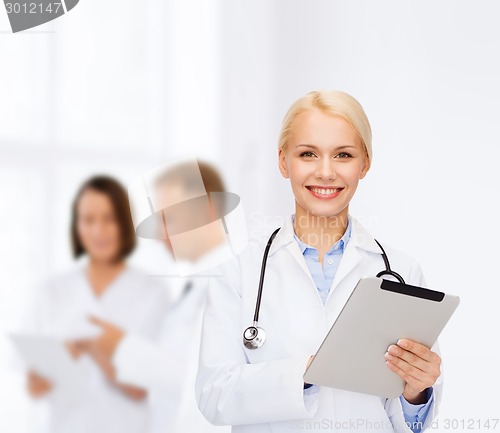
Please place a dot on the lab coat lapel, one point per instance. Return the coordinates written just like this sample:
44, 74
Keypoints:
294, 250
350, 259
353, 265
285, 238
361, 240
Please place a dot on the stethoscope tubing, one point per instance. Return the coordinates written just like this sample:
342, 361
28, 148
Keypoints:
253, 341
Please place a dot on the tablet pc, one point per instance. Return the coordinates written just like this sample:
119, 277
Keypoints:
377, 314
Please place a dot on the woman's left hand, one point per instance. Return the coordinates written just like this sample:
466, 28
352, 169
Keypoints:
417, 365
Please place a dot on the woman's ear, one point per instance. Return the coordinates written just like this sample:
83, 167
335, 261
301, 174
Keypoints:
366, 167
282, 164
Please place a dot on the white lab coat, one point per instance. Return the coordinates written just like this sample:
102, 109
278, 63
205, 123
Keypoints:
133, 302
261, 390
167, 367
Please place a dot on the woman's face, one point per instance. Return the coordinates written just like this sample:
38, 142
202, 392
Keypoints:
324, 160
97, 228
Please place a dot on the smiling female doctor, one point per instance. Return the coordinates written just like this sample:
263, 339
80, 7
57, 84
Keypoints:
314, 263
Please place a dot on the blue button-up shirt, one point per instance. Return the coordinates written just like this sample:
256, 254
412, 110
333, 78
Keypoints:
323, 276
414, 414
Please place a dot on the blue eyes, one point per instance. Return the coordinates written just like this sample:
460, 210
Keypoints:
341, 155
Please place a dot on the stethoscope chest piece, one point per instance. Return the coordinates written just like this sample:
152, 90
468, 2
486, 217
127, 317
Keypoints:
254, 337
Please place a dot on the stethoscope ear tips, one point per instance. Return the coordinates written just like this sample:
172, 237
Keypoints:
254, 337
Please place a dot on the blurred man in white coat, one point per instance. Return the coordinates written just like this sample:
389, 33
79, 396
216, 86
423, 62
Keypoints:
167, 367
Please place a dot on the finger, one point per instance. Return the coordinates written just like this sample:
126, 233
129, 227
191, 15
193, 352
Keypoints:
99, 322
409, 357
77, 348
79, 344
310, 360
72, 348
408, 378
38, 381
35, 377
34, 381
74, 345
418, 349
410, 370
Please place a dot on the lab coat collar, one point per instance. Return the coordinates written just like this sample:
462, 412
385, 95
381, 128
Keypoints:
360, 237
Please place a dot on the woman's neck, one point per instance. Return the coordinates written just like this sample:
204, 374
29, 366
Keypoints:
320, 232
102, 273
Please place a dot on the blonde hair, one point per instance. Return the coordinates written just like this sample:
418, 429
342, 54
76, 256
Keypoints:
335, 103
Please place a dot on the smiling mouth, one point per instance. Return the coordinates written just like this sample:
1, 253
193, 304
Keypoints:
324, 191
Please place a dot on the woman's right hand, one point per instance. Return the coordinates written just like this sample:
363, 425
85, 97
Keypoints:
309, 362
38, 386
307, 385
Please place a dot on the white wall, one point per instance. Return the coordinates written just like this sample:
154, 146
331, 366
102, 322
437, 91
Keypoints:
121, 91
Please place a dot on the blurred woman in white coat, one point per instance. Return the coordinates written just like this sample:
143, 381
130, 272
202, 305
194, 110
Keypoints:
105, 286
313, 265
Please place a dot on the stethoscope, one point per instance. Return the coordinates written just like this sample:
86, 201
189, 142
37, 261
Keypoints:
254, 336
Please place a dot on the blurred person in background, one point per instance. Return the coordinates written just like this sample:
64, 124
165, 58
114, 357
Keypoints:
168, 367
108, 288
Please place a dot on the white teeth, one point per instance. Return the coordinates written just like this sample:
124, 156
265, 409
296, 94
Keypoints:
325, 191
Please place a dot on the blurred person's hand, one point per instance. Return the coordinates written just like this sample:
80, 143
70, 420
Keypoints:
102, 348
91, 347
73, 348
108, 341
37, 385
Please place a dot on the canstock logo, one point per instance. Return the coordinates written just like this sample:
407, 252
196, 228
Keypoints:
24, 15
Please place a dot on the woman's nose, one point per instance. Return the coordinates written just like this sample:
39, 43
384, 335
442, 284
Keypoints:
325, 170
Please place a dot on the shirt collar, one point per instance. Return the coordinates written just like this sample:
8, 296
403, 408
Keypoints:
342, 242
360, 237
